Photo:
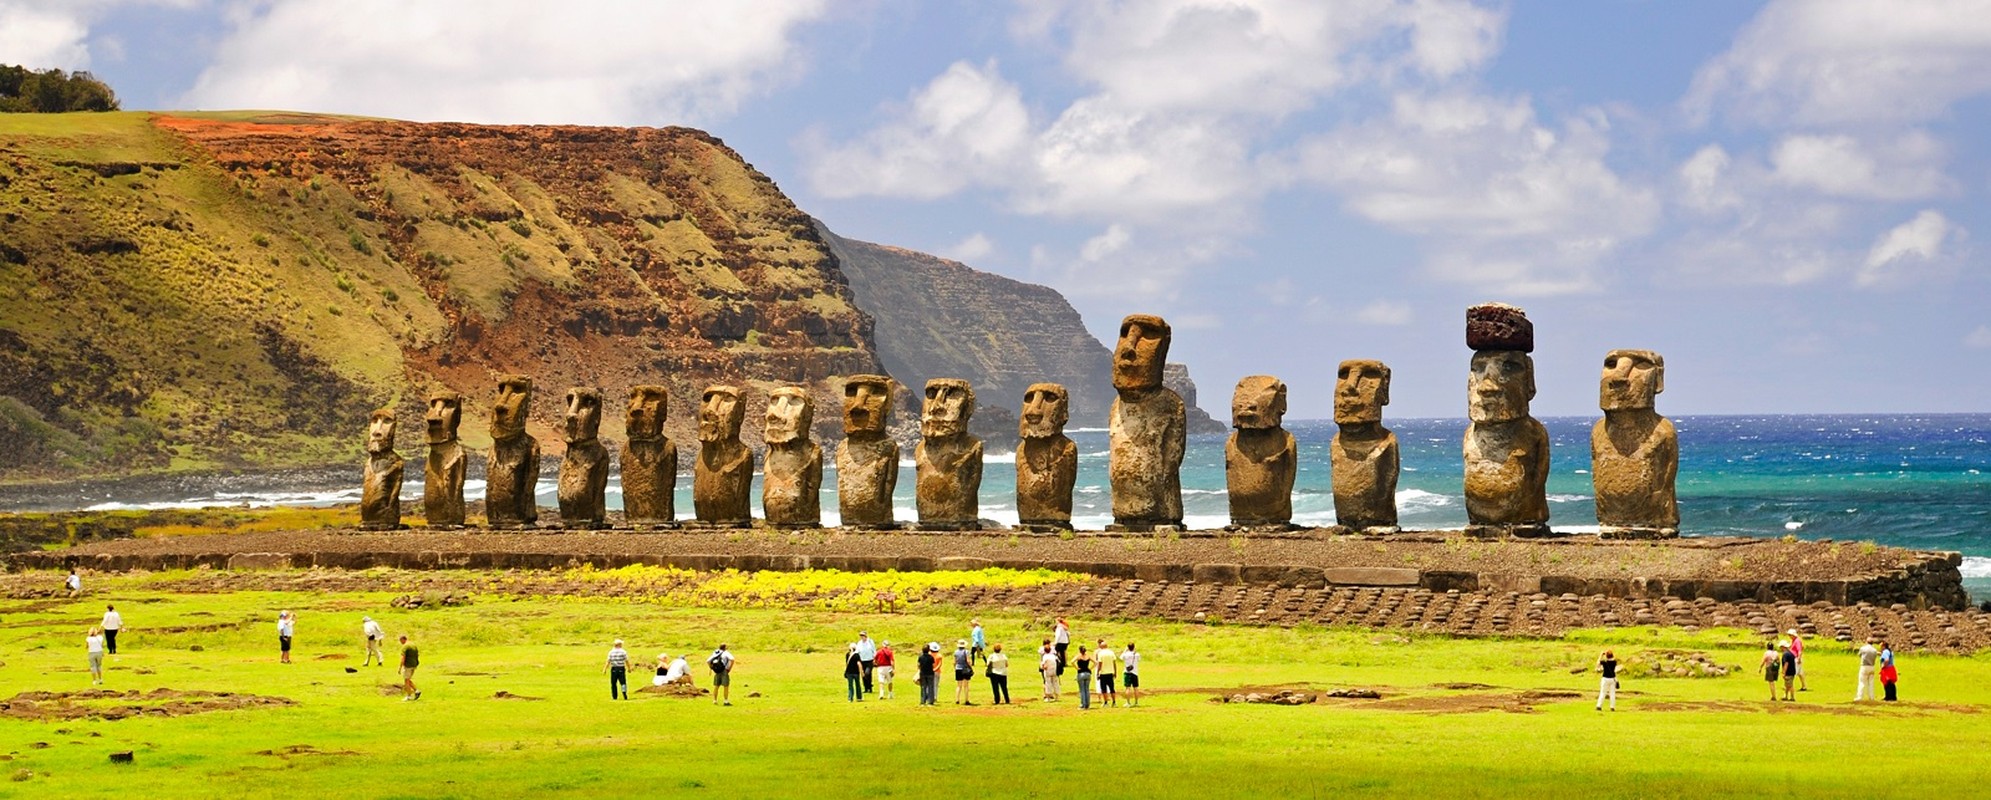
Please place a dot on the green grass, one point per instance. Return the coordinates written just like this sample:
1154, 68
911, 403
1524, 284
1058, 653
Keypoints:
800, 738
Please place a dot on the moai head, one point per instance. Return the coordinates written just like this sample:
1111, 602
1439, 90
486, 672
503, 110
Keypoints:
380, 432
445, 411
949, 404
867, 404
509, 410
583, 415
1631, 379
790, 412
1142, 352
720, 414
1361, 389
1046, 409
649, 406
1502, 383
1259, 403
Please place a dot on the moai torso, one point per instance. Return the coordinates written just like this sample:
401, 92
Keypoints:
380, 492
867, 462
649, 460
1506, 450
791, 491
948, 461
722, 479
512, 476
1046, 459
443, 472
1364, 453
584, 469
1146, 433
1634, 452
1260, 459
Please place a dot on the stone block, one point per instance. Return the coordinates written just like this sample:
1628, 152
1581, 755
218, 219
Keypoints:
1262, 573
961, 564
1304, 578
1498, 326
1440, 580
915, 564
1372, 576
259, 561
1509, 582
1216, 573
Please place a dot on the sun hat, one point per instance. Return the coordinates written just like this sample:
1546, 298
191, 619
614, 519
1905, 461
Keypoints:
934, 646
618, 643
1791, 632
960, 642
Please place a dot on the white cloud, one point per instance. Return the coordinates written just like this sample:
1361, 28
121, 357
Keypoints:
1704, 181
1112, 240
1828, 62
1384, 312
976, 246
1907, 167
967, 125
1899, 252
1504, 199
44, 35
1979, 339
514, 61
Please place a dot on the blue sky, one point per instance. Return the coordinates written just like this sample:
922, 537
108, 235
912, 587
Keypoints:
1785, 199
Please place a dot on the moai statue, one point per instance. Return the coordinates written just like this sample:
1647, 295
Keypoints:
512, 476
948, 459
1261, 459
1506, 451
1046, 460
584, 470
649, 461
1634, 452
380, 493
722, 481
791, 492
1146, 433
442, 473
1364, 453
867, 462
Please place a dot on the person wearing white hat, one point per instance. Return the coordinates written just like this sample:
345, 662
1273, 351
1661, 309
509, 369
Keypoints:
618, 670
374, 636
964, 672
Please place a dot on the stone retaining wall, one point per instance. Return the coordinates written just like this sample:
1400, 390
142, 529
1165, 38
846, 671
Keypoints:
1927, 580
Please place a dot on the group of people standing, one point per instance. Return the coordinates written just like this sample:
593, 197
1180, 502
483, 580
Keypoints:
1783, 659
870, 666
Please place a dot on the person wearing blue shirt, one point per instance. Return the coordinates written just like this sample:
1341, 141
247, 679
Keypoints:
977, 644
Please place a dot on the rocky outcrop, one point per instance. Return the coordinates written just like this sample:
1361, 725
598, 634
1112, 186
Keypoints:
1176, 378
941, 319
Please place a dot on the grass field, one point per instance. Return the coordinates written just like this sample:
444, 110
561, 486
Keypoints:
349, 736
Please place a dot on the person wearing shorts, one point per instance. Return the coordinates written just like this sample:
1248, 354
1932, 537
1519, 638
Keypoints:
1771, 665
286, 628
410, 659
964, 672
374, 636
1788, 661
1130, 677
1106, 661
882, 670
721, 663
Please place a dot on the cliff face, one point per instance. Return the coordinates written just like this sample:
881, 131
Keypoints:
940, 319
1176, 377
239, 289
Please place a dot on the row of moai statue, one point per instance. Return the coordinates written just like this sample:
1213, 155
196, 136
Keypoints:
1634, 451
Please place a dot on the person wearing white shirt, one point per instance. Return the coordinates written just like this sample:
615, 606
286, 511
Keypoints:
867, 657
1869, 664
1106, 662
374, 636
74, 583
112, 623
1061, 640
286, 627
94, 645
1130, 676
1047, 665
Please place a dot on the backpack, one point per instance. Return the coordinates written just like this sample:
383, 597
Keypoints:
717, 662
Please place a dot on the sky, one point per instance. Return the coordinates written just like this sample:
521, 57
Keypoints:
1785, 199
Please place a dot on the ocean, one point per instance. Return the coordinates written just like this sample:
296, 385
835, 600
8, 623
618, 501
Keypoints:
1912, 480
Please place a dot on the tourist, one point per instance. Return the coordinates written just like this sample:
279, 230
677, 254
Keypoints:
853, 675
74, 583
721, 662
964, 672
410, 659
867, 658
1607, 686
978, 643
286, 628
93, 644
1130, 675
1047, 666
884, 671
1788, 661
112, 623
1797, 652
1888, 675
663, 674
1061, 638
1084, 665
1104, 662
618, 670
1869, 664
929, 683
1772, 665
374, 636
999, 676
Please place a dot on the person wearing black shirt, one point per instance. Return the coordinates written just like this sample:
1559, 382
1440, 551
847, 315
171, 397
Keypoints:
1608, 685
929, 681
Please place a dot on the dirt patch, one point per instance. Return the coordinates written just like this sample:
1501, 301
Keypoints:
106, 704
332, 657
1510, 702
504, 695
1464, 687
306, 750
678, 689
